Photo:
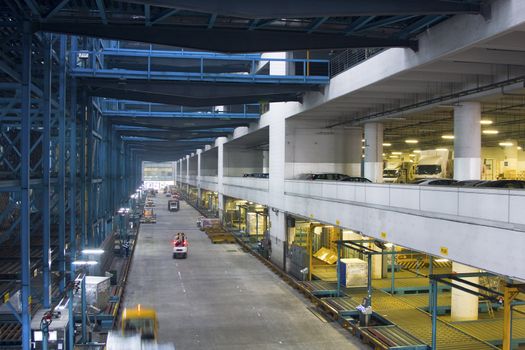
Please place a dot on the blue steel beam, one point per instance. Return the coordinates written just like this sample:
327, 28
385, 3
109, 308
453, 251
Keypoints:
25, 258
211, 22
313, 8
225, 39
46, 169
55, 9
61, 188
181, 115
164, 15
317, 24
102, 11
426, 21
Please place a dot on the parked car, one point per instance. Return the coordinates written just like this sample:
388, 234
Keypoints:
469, 183
436, 182
356, 179
503, 184
322, 177
257, 175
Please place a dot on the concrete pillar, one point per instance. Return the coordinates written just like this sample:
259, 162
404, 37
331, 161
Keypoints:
187, 168
219, 142
464, 306
276, 166
266, 161
354, 150
175, 172
467, 141
374, 152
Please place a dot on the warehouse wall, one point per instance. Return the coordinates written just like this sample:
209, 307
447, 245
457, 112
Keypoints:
312, 148
238, 162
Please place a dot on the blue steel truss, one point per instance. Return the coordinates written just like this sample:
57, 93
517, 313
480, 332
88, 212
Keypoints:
191, 66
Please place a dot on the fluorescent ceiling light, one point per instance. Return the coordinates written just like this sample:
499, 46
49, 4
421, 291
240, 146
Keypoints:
394, 156
398, 153
417, 151
84, 262
490, 132
412, 141
441, 260
441, 149
447, 137
519, 148
386, 144
93, 251
506, 144
485, 122
362, 140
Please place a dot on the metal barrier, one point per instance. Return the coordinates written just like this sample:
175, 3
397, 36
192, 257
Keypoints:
350, 58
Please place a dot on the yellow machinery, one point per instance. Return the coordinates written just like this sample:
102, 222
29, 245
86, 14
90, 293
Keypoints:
141, 321
148, 216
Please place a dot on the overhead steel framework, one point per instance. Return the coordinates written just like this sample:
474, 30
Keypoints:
250, 26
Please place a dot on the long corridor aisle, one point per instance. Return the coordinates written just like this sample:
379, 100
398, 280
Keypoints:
220, 297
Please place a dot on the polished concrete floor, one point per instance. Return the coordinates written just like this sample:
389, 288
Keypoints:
220, 297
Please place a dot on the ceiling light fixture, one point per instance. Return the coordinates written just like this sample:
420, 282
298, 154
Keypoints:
490, 132
417, 151
447, 137
441, 149
397, 153
386, 144
506, 144
411, 141
485, 122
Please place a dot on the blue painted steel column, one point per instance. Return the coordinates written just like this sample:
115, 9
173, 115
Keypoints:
84, 309
24, 185
433, 287
89, 181
46, 169
72, 199
62, 163
82, 153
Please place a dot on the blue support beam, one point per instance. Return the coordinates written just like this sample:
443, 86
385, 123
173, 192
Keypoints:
46, 170
25, 204
61, 188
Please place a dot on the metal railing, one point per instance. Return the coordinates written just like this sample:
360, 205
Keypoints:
350, 58
189, 66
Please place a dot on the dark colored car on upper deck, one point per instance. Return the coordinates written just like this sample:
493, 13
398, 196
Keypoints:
516, 184
322, 176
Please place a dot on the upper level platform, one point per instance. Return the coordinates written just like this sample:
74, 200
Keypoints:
481, 227
190, 66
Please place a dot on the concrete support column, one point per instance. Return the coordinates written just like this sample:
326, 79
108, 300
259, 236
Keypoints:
266, 161
219, 142
354, 158
276, 167
464, 306
175, 172
467, 141
187, 168
374, 152
467, 166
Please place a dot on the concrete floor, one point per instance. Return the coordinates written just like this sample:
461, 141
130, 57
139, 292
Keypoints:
220, 297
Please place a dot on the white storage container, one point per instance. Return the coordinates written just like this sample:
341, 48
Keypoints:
353, 272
